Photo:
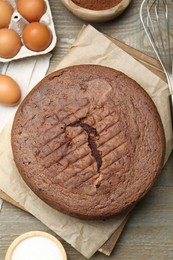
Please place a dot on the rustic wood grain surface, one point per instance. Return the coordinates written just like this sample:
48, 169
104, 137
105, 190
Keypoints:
149, 232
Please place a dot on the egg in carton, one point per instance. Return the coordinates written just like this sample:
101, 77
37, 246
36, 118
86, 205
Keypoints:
18, 23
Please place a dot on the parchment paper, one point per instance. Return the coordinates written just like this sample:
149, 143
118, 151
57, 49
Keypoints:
86, 236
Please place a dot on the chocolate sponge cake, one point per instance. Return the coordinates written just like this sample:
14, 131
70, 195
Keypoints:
88, 140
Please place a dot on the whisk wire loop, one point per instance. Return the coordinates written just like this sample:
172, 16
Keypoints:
155, 17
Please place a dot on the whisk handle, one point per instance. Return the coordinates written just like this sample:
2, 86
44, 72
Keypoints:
171, 106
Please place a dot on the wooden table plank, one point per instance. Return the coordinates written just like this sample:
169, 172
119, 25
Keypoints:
148, 235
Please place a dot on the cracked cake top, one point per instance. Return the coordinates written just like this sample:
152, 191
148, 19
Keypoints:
88, 140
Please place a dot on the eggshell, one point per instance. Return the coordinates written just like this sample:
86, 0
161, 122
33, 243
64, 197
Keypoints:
10, 43
9, 91
37, 36
18, 22
31, 10
6, 12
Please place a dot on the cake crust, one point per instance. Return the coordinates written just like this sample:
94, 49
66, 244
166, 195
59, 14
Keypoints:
88, 140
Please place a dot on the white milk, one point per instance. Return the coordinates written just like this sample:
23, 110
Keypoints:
37, 248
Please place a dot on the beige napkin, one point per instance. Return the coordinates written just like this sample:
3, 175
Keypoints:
86, 236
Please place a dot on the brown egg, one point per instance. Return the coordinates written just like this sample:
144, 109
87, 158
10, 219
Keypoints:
31, 10
37, 36
9, 91
10, 43
6, 12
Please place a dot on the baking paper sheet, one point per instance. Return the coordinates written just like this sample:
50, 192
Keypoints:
86, 236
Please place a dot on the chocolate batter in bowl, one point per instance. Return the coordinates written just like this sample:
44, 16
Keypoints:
95, 10
96, 4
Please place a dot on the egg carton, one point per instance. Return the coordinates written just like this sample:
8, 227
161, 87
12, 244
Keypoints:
17, 23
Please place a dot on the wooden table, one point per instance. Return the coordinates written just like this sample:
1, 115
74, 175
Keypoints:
149, 232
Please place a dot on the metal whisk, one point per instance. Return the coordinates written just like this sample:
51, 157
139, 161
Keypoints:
156, 18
